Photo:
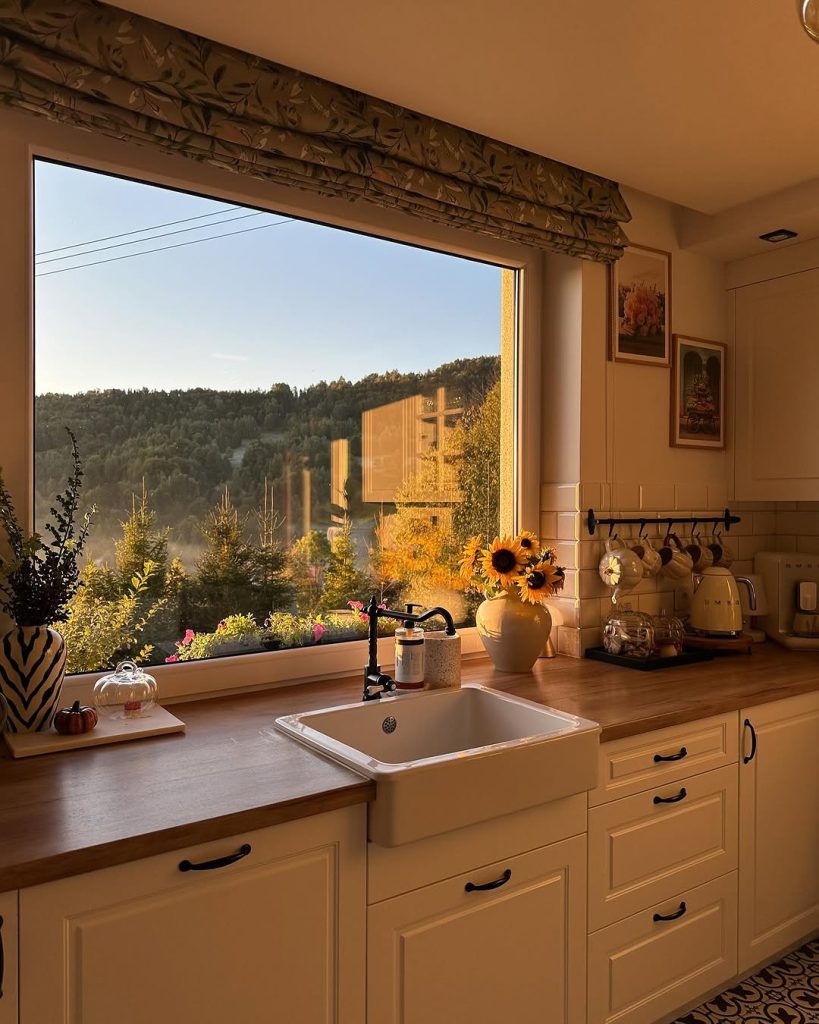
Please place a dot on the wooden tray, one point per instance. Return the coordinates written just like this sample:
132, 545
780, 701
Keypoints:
108, 730
741, 644
648, 664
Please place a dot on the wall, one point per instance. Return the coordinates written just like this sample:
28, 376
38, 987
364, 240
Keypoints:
624, 464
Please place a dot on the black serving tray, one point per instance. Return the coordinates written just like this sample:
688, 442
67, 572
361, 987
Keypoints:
688, 657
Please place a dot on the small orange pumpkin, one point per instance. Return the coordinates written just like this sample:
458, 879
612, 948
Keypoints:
75, 720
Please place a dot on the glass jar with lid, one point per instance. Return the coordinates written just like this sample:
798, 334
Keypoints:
669, 635
630, 634
127, 692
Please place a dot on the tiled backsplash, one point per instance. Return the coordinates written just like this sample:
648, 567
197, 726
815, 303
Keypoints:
585, 603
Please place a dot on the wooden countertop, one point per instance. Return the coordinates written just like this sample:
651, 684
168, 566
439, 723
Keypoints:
63, 814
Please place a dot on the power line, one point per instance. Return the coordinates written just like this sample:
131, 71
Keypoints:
137, 241
162, 248
138, 231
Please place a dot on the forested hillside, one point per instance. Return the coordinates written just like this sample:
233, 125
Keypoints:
187, 445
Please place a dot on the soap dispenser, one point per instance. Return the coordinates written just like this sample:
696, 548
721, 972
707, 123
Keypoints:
409, 655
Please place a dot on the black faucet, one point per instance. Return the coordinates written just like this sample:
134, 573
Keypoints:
376, 682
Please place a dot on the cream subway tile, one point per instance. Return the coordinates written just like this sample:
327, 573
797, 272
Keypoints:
548, 525
559, 497
650, 604
787, 522
717, 496
570, 584
808, 506
682, 601
744, 528
747, 547
808, 545
567, 554
785, 506
567, 611
588, 553
589, 613
656, 495
606, 609
569, 525
808, 523
765, 522
592, 636
590, 584
625, 495
786, 543
590, 496
568, 642
742, 568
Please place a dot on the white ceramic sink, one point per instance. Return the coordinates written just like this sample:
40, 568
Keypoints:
449, 758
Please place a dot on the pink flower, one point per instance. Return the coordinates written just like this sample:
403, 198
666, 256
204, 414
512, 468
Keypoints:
318, 631
357, 606
187, 638
222, 625
172, 657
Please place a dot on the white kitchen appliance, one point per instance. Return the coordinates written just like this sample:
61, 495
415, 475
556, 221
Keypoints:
792, 585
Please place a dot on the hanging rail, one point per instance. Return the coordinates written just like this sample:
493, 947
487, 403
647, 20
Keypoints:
725, 520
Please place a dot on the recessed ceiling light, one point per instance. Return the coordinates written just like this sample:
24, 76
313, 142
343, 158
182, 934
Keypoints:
810, 18
780, 235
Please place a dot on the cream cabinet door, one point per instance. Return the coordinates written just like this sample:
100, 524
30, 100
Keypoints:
779, 827
510, 949
8, 958
777, 366
275, 936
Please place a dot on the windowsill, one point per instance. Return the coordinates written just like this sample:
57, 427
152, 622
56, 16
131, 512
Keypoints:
268, 670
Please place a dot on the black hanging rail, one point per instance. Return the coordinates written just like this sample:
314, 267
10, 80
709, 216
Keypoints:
725, 520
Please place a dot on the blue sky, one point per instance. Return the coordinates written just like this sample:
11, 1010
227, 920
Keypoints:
294, 302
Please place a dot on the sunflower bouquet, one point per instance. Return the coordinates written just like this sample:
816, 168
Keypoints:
518, 565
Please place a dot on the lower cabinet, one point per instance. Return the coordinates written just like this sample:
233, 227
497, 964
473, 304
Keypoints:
505, 942
8, 958
260, 928
654, 962
779, 827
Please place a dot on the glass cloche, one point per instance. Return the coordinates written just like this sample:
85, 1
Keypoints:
127, 692
629, 633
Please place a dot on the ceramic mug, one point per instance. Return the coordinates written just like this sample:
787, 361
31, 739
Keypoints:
721, 553
701, 555
645, 551
677, 563
620, 568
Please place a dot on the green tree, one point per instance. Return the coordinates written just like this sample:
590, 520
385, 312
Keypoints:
474, 450
141, 543
309, 557
343, 580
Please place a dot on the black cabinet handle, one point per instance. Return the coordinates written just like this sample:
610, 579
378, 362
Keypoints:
220, 862
752, 755
672, 917
683, 793
504, 878
2, 959
671, 757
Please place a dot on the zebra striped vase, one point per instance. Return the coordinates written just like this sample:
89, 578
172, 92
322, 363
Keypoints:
32, 666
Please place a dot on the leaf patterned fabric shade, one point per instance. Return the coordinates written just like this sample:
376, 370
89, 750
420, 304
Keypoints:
97, 67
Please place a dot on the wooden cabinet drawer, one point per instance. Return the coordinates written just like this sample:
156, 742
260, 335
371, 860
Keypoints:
637, 763
641, 969
650, 846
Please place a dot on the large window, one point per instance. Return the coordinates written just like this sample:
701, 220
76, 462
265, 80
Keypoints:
277, 418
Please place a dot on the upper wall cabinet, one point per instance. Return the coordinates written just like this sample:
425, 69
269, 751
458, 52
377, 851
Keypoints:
777, 384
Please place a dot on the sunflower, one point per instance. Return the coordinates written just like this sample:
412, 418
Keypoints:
528, 541
540, 582
466, 566
503, 560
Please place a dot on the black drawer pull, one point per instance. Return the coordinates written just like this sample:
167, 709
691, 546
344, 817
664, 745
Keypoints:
672, 917
671, 757
2, 959
504, 878
752, 755
220, 862
683, 793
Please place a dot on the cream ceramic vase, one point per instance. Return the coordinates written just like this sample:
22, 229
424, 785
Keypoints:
32, 666
513, 633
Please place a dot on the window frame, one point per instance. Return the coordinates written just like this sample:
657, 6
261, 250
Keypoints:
47, 141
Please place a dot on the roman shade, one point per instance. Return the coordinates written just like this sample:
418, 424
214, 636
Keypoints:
106, 70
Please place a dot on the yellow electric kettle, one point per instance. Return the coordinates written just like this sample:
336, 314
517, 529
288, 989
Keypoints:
715, 606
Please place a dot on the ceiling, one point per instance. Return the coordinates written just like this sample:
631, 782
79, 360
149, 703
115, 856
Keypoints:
707, 103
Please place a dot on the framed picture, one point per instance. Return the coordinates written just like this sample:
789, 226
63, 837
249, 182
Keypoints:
640, 303
697, 393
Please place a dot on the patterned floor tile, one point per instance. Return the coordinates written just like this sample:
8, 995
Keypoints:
786, 992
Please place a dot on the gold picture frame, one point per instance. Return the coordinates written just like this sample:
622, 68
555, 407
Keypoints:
640, 307
697, 405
